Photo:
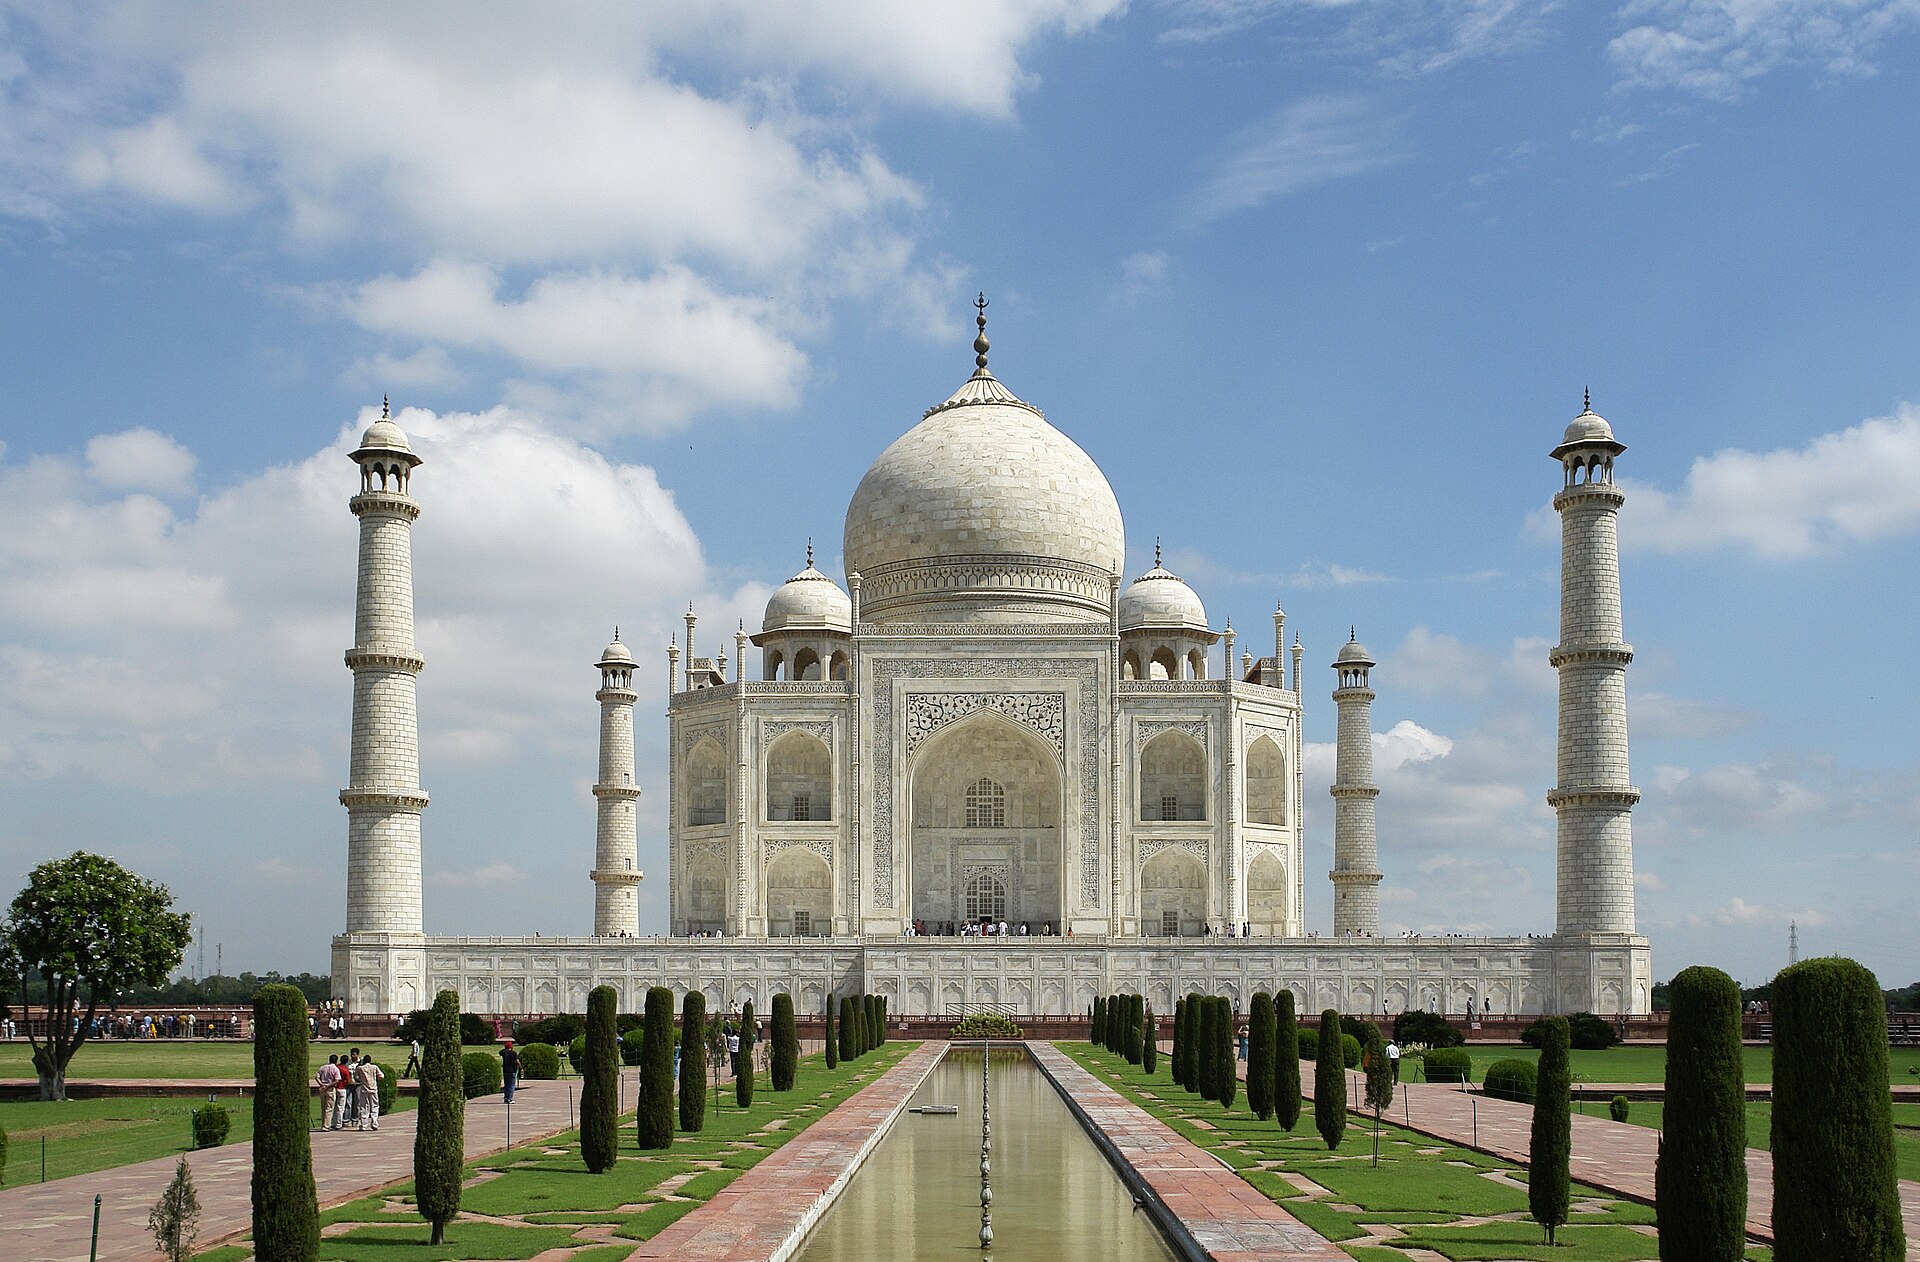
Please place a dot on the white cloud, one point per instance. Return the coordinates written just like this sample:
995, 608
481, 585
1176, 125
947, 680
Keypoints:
1648, 881
1404, 37
1140, 274
1314, 141
1662, 717
1405, 743
156, 160
1738, 911
1314, 574
1436, 663
140, 460
1842, 488
1734, 798
1716, 48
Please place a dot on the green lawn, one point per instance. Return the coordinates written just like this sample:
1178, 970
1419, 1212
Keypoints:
1649, 1064
1422, 1187
178, 1058
538, 1196
1906, 1129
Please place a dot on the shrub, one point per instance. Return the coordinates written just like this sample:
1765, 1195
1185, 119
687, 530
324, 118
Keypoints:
849, 1030
1226, 1079
743, 1064
475, 1032
1511, 1080
693, 1062
389, 1088
1133, 1011
832, 1037
1203, 1060
1835, 1187
1308, 1040
1449, 1064
480, 1074
174, 1219
1618, 1108
1330, 1082
1379, 1072
600, 1092
1549, 1190
1428, 1029
210, 1125
786, 1043
558, 1031
1349, 1050
577, 1054
1150, 1045
1286, 1061
1099, 1033
633, 1048
539, 1061
439, 1137
1700, 1172
981, 1025
653, 1111
3, 1154
286, 1215
412, 1026
871, 1016
1585, 1031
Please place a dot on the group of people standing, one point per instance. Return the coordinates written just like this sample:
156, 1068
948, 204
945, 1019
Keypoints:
350, 1092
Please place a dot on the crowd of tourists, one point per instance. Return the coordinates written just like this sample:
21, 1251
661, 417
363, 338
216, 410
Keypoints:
350, 1092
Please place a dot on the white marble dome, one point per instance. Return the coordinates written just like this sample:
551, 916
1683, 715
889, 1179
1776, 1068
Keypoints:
1588, 427
615, 652
984, 512
809, 601
1353, 653
1159, 598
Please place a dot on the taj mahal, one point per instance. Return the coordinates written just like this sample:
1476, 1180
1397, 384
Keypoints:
988, 724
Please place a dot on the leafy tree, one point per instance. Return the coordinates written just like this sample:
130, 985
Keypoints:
693, 1062
1226, 1075
833, 1037
1549, 1193
175, 1217
1286, 1061
439, 1137
1150, 1044
1835, 1186
1260, 1031
1700, 1173
653, 1112
786, 1043
1428, 1029
286, 1211
1099, 1036
87, 929
743, 1070
1330, 1082
600, 1088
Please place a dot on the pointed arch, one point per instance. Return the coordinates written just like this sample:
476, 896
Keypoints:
1173, 778
1164, 665
771, 663
799, 894
1268, 786
806, 664
799, 778
706, 781
1173, 894
1267, 893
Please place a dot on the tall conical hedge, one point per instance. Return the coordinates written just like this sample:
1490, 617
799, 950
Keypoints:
872, 1015
1549, 1194
1176, 1065
693, 1062
1098, 1035
1700, 1174
1835, 1184
599, 1089
849, 1030
833, 1037
1133, 1008
743, 1069
1286, 1061
439, 1136
1227, 1076
1150, 1043
1201, 1018
1330, 1082
653, 1111
1260, 1031
786, 1043
286, 1211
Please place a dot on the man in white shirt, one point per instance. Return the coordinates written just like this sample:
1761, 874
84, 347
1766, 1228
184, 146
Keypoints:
329, 1078
1393, 1059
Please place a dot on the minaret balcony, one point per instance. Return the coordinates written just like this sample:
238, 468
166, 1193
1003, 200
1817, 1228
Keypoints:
384, 503
1614, 654
1618, 796
384, 799
616, 876
628, 791
385, 659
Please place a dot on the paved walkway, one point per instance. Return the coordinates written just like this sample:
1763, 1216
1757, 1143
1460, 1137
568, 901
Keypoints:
1222, 1212
51, 1222
763, 1215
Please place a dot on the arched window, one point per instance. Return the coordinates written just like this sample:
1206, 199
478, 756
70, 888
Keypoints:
1267, 787
986, 898
799, 778
806, 664
1164, 665
986, 804
771, 664
706, 785
1130, 666
838, 666
1173, 778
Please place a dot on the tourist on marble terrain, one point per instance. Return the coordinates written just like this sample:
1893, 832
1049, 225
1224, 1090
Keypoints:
509, 1068
329, 1079
413, 1059
369, 1075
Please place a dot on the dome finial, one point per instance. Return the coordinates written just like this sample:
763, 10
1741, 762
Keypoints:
1156, 552
1586, 401
616, 633
809, 551
385, 413
1353, 634
980, 343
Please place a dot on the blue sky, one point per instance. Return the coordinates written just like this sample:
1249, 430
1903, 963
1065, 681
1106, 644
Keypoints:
1317, 284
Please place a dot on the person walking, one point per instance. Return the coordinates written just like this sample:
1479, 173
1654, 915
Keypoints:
413, 1059
1393, 1059
509, 1068
369, 1075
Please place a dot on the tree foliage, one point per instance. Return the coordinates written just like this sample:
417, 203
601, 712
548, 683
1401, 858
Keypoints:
439, 1137
1099, 1035
833, 1037
1226, 1078
1835, 1185
286, 1212
743, 1066
1549, 1176
1260, 1076
653, 1112
1203, 1058
86, 929
1700, 1174
1286, 1061
786, 1043
1427, 1029
174, 1219
1177, 1062
1149, 1043
1133, 1008
1330, 1082
600, 1083
693, 1062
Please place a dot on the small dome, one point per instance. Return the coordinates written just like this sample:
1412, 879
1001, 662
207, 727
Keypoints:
1353, 653
615, 652
809, 601
1159, 598
383, 434
1588, 427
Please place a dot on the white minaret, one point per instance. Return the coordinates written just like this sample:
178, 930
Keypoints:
1593, 798
1356, 851
616, 855
383, 795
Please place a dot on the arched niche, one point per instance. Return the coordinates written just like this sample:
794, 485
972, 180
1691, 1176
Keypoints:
772, 661
799, 894
799, 778
706, 894
1173, 894
806, 664
706, 784
1163, 665
1173, 778
1267, 895
1267, 785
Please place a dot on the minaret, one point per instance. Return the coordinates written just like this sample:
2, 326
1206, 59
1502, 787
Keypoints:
1356, 851
616, 855
1593, 799
383, 796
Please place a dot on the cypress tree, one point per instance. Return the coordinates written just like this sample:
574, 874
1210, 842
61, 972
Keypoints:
872, 1015
1150, 1044
1260, 1030
1379, 1079
1700, 1174
653, 1111
1116, 1024
833, 1038
1548, 1173
1835, 1184
1200, 1009
1098, 1036
599, 1091
743, 1072
1223, 1048
1133, 1007
693, 1062
883, 1019
849, 1031
786, 1043
1330, 1082
439, 1137
286, 1210
1195, 1063
1286, 1062
1179, 1041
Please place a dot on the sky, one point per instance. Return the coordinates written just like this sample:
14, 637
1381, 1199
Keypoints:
1317, 283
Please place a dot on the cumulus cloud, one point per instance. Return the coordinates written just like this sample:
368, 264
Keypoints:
1315, 141
1717, 48
1433, 662
1842, 488
140, 460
